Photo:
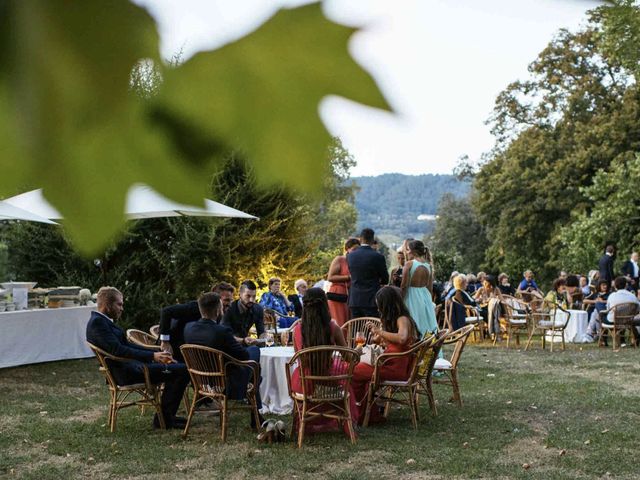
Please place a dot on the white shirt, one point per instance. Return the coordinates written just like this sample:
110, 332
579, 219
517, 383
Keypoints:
618, 297
635, 269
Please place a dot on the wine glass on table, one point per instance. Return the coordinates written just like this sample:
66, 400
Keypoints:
269, 340
360, 339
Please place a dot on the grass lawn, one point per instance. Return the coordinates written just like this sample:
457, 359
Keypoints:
570, 414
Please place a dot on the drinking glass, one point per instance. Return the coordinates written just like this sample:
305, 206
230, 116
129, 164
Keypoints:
360, 339
166, 369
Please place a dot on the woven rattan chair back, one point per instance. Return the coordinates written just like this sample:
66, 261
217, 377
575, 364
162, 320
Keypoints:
624, 314
356, 325
142, 339
459, 340
206, 367
326, 372
154, 330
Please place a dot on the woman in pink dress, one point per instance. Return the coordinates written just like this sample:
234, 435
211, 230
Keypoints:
316, 328
398, 334
340, 277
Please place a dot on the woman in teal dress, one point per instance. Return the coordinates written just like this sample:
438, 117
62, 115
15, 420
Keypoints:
417, 287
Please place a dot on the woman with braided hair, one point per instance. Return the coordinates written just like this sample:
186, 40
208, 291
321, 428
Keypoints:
316, 328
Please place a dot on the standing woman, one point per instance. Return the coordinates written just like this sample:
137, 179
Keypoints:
417, 287
340, 277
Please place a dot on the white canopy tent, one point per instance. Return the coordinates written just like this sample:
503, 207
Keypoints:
142, 202
11, 212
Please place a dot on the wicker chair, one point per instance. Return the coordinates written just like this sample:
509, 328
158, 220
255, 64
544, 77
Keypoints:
545, 319
356, 325
142, 339
149, 394
325, 377
471, 318
515, 313
624, 318
154, 330
450, 367
386, 391
207, 368
425, 370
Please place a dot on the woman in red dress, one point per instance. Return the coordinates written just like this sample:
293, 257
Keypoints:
316, 328
398, 334
340, 277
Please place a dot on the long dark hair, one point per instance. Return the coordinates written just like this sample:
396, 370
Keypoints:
316, 319
392, 307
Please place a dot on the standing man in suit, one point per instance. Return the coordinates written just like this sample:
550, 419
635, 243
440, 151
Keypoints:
174, 318
296, 298
605, 265
631, 271
207, 332
105, 334
368, 270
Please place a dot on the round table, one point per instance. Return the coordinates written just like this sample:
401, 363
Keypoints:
576, 326
273, 389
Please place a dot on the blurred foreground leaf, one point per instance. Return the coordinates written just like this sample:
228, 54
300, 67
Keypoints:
69, 122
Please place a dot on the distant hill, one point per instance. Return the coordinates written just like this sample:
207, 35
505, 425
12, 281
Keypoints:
391, 203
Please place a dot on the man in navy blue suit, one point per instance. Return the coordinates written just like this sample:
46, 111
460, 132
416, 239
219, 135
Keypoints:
368, 270
105, 334
207, 332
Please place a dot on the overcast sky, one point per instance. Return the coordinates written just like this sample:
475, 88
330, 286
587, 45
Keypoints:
440, 63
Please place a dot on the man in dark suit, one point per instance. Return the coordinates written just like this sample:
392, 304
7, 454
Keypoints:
301, 287
605, 265
105, 334
174, 318
368, 270
208, 333
631, 271
244, 314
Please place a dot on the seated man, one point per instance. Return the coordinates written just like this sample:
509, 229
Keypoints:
296, 299
277, 301
244, 314
208, 333
174, 318
619, 296
105, 334
528, 284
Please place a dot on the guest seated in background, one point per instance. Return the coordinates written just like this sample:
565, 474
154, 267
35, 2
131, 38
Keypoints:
277, 301
489, 298
174, 318
619, 296
316, 328
574, 294
398, 334
557, 296
226, 292
504, 285
448, 286
245, 313
472, 284
106, 335
528, 284
597, 302
296, 298
207, 332
585, 288
462, 299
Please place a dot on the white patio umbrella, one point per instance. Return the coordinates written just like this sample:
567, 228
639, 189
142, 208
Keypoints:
11, 212
142, 202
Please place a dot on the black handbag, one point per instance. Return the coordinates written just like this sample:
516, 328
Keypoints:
337, 297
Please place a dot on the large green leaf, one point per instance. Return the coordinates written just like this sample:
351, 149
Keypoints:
70, 123
262, 93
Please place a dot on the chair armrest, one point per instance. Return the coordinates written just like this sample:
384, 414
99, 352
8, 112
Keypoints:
255, 366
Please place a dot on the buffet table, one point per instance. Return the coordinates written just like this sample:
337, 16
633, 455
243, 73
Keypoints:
43, 335
273, 389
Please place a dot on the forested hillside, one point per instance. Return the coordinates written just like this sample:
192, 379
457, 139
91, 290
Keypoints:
391, 203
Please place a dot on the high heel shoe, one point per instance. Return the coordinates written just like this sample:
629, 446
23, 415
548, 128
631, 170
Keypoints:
268, 433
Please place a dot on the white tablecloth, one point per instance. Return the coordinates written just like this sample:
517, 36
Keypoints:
43, 335
273, 389
576, 327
